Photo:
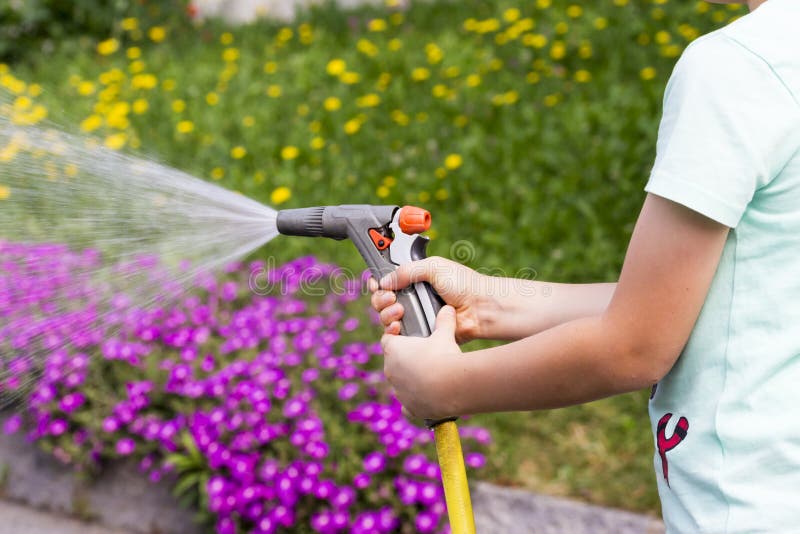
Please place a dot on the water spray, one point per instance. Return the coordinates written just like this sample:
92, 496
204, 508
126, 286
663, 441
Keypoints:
387, 237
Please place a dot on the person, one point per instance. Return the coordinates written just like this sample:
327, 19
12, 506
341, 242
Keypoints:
706, 310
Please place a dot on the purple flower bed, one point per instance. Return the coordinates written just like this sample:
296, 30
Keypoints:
269, 413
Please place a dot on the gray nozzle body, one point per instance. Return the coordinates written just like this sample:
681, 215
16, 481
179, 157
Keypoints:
337, 222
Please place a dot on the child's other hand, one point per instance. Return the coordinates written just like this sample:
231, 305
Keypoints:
418, 367
459, 286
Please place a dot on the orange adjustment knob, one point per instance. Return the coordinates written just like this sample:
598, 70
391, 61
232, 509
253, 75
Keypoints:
414, 220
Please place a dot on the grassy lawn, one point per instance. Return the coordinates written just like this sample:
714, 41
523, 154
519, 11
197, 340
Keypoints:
527, 129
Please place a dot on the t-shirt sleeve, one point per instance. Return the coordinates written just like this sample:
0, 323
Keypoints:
728, 128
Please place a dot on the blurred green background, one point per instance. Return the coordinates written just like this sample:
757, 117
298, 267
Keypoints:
527, 129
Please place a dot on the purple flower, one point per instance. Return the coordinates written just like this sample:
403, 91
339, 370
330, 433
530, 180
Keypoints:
426, 522
374, 462
72, 401
58, 427
125, 446
475, 460
348, 391
12, 424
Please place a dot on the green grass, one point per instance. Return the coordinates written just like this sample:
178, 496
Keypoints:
553, 146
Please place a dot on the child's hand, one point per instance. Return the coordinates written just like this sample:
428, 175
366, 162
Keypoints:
417, 367
459, 286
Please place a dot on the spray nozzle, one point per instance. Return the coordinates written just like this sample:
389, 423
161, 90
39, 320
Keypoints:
385, 236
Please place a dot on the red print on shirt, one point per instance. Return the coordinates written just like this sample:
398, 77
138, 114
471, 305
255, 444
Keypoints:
665, 443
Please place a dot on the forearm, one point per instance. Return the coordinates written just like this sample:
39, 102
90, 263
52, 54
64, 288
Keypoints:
514, 308
578, 361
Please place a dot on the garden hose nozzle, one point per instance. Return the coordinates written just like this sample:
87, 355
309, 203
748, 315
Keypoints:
387, 237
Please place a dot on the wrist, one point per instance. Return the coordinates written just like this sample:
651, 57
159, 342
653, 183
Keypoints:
500, 307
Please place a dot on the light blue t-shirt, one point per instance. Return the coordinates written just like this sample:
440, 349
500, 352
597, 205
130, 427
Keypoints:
726, 419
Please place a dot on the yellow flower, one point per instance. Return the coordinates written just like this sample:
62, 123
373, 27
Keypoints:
440, 90
270, 67
420, 74
574, 11
315, 126
157, 34
135, 66
274, 91
91, 123
332, 103
34, 89
473, 80
144, 81
367, 48
107, 47
585, 51
511, 14
377, 25
382, 191
212, 99
5, 192
671, 50
558, 50
663, 37
647, 73
134, 52
184, 127
116, 141
230, 55
238, 152
290, 152
317, 143
71, 170
168, 85
217, 173
350, 77
248, 121
226, 38
600, 23
129, 24
178, 105
441, 194
280, 195
284, 35
22, 103
453, 161
399, 117
536, 40
583, 76
434, 53
552, 99
140, 106
368, 101
336, 67
395, 44
352, 126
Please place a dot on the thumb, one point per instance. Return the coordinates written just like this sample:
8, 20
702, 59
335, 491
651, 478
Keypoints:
408, 273
446, 322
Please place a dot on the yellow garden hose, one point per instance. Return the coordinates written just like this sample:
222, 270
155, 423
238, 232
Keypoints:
454, 478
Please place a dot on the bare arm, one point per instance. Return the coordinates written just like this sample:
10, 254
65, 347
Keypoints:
632, 343
522, 308
491, 307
